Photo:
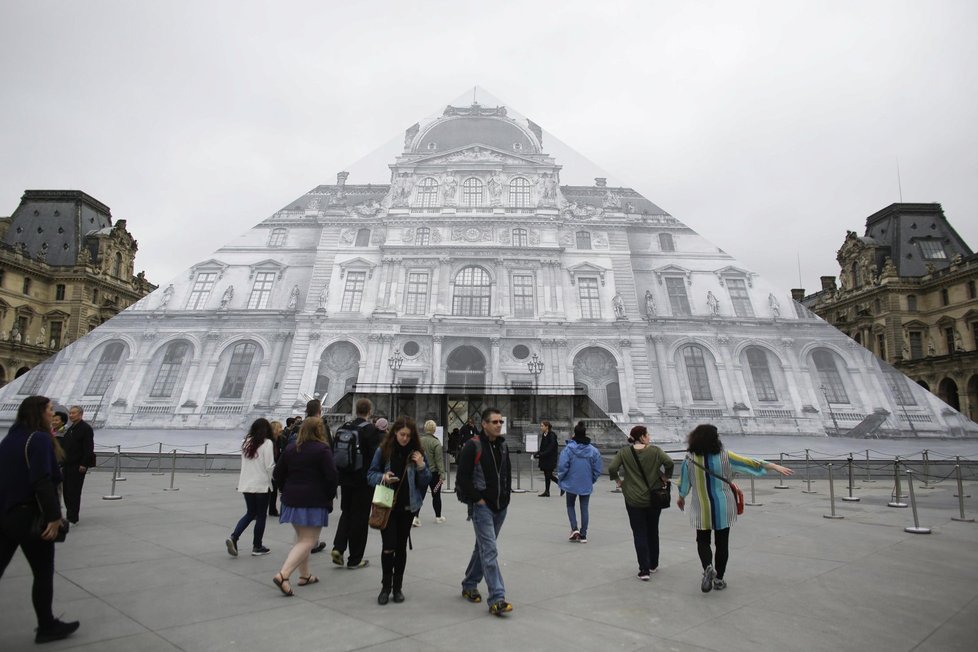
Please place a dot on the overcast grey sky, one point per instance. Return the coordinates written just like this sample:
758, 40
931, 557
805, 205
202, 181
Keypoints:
769, 127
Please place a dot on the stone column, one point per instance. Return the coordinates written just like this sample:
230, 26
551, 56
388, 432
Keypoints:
495, 373
629, 398
790, 372
437, 377
444, 285
735, 381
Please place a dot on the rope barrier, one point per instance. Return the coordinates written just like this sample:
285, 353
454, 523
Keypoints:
833, 515
850, 498
916, 529
173, 473
960, 495
897, 501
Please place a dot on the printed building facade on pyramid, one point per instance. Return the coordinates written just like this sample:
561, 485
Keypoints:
475, 278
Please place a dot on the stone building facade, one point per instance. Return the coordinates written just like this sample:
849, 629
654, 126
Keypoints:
473, 276
65, 268
907, 292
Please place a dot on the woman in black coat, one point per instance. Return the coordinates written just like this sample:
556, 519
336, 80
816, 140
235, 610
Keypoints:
547, 455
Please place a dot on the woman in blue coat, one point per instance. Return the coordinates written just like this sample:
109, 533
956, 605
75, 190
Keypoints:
400, 463
579, 468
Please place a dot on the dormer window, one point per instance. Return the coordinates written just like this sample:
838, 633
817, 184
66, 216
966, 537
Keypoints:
517, 147
932, 249
432, 146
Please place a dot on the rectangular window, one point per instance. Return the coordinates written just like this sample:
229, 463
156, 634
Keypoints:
972, 290
678, 300
912, 302
699, 379
587, 289
416, 301
932, 249
974, 334
666, 242
523, 296
583, 240
59, 292
916, 345
54, 341
945, 297
739, 297
898, 385
201, 290
353, 292
881, 346
261, 292
949, 339
39, 374
27, 285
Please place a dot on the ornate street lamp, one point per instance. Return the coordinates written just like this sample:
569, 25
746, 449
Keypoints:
535, 365
394, 362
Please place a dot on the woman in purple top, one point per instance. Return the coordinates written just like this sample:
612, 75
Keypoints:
306, 477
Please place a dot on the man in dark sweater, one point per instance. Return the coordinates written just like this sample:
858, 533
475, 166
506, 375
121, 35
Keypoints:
79, 445
356, 494
484, 482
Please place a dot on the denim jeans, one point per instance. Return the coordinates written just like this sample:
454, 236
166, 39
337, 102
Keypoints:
645, 534
572, 513
484, 561
257, 505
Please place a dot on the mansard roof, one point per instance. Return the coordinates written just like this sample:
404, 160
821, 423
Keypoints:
53, 224
899, 229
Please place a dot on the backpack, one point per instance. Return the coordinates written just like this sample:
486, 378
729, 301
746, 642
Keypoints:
346, 448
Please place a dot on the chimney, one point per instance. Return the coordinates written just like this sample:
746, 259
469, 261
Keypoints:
600, 182
828, 282
798, 294
341, 178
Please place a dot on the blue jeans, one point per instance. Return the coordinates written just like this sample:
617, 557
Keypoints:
484, 561
257, 505
572, 513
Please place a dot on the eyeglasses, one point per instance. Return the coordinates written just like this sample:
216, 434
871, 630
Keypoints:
497, 422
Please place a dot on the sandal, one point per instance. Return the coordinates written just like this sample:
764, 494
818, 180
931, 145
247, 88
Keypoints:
280, 581
306, 581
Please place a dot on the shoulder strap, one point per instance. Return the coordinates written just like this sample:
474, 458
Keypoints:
26, 456
640, 469
718, 477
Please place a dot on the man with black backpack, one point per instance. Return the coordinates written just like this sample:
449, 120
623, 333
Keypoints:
354, 444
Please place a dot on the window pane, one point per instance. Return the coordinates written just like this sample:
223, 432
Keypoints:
519, 238
39, 374
423, 237
740, 298
416, 302
678, 300
912, 302
353, 292
523, 306
238, 370
427, 193
519, 193
363, 238
472, 192
169, 371
201, 290
828, 375
761, 375
277, 238
102, 377
473, 290
916, 345
666, 243
614, 397
898, 385
587, 289
583, 240
59, 292
699, 379
932, 249
261, 292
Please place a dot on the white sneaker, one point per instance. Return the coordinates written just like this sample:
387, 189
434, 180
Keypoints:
440, 519
417, 522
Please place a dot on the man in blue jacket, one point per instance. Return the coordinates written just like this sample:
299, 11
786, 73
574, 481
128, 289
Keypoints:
579, 468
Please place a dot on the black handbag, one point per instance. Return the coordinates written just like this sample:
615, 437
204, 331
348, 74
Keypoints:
36, 523
660, 497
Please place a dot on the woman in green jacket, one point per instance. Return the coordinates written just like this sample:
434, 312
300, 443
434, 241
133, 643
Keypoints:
436, 458
640, 455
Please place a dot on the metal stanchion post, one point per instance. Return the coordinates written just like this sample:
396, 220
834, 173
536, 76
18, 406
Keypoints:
897, 501
115, 473
916, 529
519, 489
118, 465
173, 472
531, 473
159, 461
753, 501
957, 462
808, 475
960, 495
868, 476
831, 496
850, 498
781, 484
926, 456
203, 472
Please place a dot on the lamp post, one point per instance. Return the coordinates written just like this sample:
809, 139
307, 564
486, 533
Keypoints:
535, 365
394, 362
825, 393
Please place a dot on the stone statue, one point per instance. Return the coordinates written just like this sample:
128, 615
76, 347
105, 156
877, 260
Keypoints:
226, 299
495, 186
931, 349
713, 303
612, 200
547, 189
323, 298
4, 336
401, 190
449, 186
15, 335
889, 269
294, 298
774, 304
649, 304
167, 295
619, 306
958, 342
42, 336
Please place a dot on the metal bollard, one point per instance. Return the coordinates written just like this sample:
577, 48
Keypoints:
850, 498
868, 477
204, 473
115, 472
831, 497
916, 529
957, 462
173, 472
519, 489
960, 496
753, 501
896, 502
808, 476
159, 461
118, 477
926, 457
781, 484
531, 472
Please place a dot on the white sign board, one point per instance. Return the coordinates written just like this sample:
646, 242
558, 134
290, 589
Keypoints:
532, 443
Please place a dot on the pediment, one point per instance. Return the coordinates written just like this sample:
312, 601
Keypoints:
915, 324
673, 270
357, 263
475, 153
586, 269
211, 264
267, 265
735, 272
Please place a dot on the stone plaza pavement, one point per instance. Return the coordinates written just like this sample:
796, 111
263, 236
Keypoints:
150, 573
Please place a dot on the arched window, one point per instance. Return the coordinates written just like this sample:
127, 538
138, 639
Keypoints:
422, 237
102, 377
828, 375
363, 238
117, 266
473, 289
427, 193
760, 373
520, 238
666, 243
614, 397
277, 238
519, 192
472, 192
238, 370
166, 377
583, 240
699, 379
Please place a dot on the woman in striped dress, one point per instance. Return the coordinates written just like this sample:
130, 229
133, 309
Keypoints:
705, 477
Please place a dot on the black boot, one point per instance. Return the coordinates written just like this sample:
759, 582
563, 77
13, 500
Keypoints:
387, 575
398, 580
